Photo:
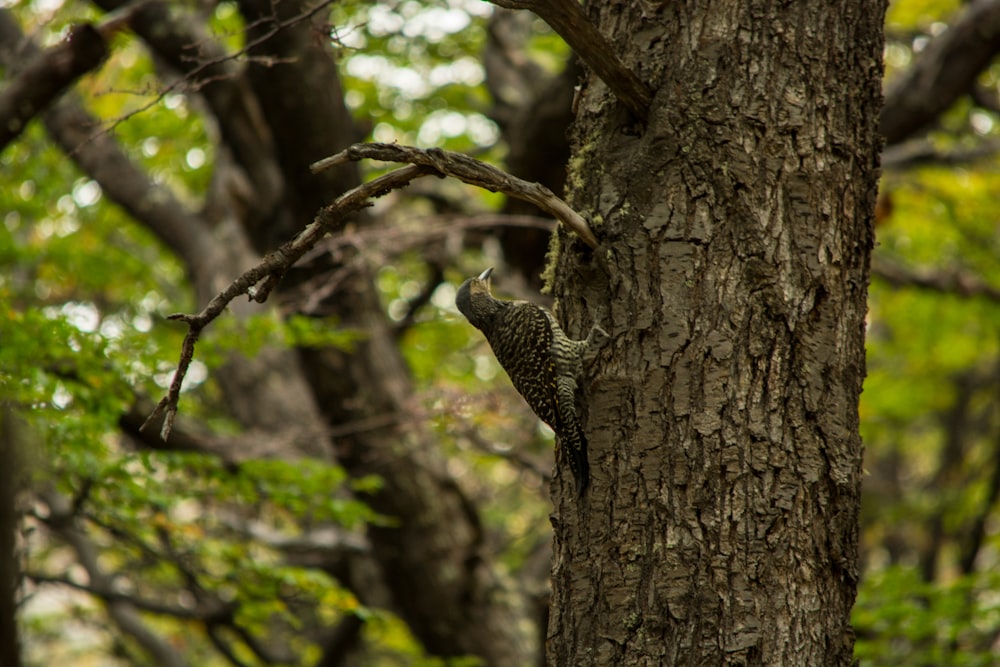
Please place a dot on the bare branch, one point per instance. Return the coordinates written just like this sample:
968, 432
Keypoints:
942, 72
308, 297
471, 171
568, 18
182, 40
520, 461
267, 274
421, 300
195, 73
951, 282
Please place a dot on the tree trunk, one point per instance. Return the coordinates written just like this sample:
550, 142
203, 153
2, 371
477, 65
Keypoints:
721, 524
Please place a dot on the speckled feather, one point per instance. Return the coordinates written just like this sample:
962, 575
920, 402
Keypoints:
521, 337
541, 361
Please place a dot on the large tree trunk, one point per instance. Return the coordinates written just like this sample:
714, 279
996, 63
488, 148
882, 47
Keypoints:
721, 526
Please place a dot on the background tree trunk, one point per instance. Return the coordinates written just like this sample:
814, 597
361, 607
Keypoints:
721, 526
438, 569
10, 471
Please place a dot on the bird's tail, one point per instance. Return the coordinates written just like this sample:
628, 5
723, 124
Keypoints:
576, 454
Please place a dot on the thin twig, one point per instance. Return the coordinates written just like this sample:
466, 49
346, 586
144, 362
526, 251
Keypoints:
308, 296
191, 75
471, 171
260, 280
419, 301
921, 152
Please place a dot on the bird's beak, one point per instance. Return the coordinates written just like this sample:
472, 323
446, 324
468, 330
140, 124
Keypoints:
486, 274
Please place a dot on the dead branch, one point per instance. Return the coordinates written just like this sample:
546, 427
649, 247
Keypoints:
436, 268
471, 171
569, 20
181, 40
307, 297
267, 274
193, 75
109, 594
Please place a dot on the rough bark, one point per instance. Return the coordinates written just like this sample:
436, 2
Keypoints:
721, 526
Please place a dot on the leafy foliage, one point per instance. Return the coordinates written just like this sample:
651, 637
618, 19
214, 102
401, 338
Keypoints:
85, 291
902, 619
84, 339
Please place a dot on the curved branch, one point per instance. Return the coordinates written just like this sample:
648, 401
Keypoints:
471, 171
48, 72
268, 273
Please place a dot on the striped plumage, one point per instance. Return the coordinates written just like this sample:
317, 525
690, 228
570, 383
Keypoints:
542, 362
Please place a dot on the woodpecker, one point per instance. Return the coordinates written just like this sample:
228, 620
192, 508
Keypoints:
543, 362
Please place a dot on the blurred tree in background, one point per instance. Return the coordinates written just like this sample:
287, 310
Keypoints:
930, 412
241, 540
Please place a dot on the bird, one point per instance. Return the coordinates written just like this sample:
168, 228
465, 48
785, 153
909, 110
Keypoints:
543, 363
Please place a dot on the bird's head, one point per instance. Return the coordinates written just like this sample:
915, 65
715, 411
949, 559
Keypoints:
474, 299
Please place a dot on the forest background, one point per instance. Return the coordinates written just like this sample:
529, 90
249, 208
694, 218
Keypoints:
210, 552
